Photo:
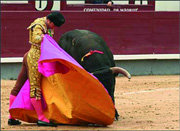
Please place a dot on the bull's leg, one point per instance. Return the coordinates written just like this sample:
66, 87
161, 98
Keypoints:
112, 86
107, 78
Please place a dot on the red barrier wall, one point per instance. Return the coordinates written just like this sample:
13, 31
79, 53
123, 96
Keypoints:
124, 32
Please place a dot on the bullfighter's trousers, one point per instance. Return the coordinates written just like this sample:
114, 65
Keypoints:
33, 74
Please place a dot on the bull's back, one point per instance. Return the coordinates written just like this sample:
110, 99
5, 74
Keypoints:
79, 43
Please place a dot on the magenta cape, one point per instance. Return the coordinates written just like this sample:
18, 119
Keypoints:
71, 95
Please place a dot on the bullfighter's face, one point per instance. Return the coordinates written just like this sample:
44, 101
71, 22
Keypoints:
50, 25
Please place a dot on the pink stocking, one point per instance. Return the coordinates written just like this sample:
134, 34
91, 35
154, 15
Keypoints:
38, 108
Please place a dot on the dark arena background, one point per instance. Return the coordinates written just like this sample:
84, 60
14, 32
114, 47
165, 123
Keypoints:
144, 38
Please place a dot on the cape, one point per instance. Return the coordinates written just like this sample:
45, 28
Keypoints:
70, 94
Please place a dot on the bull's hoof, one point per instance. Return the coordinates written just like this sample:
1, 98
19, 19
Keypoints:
116, 117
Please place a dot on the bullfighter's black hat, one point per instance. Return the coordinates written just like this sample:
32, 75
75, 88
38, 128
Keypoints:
57, 18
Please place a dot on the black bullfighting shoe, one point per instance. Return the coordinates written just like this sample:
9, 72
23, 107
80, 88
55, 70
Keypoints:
13, 122
43, 123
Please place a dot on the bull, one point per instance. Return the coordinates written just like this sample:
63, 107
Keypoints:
93, 54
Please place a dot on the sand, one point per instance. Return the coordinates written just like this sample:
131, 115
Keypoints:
144, 103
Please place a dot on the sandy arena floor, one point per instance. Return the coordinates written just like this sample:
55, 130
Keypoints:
144, 103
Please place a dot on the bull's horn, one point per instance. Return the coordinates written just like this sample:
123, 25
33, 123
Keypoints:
118, 70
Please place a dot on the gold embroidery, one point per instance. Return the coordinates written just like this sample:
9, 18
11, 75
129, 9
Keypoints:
34, 75
36, 29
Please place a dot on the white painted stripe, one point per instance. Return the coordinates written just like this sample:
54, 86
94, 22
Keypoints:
147, 91
12, 60
146, 56
116, 57
14, 2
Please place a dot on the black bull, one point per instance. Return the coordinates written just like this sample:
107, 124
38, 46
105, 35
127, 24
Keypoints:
92, 53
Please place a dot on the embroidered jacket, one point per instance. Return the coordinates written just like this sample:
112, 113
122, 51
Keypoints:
36, 29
